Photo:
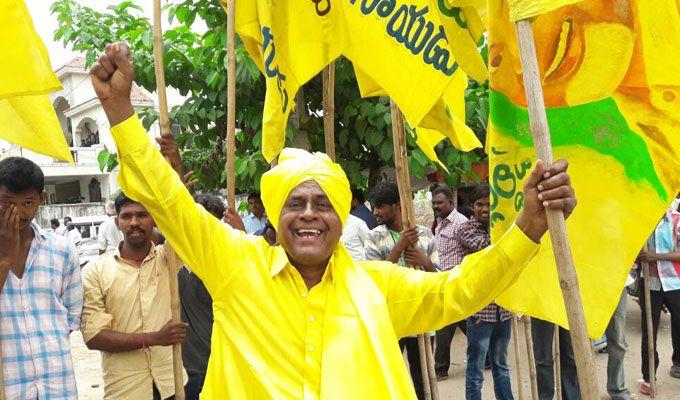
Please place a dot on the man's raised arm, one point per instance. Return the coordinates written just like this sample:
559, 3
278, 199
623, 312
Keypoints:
198, 238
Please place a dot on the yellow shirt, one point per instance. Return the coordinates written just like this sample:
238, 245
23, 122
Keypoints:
273, 339
123, 297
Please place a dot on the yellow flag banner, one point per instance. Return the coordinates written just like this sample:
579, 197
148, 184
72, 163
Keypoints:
524, 9
290, 42
402, 46
27, 117
612, 91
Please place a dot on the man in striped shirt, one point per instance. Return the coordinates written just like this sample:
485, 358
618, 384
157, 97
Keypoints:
488, 331
41, 294
451, 253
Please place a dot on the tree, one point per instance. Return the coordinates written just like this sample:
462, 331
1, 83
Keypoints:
195, 65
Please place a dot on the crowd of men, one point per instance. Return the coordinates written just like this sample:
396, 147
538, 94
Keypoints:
264, 297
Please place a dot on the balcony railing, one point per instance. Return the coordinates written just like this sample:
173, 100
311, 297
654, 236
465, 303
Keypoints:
85, 156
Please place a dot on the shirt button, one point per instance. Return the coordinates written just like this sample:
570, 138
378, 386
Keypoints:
310, 348
304, 294
311, 318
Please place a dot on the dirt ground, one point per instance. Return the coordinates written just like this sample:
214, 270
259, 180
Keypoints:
90, 384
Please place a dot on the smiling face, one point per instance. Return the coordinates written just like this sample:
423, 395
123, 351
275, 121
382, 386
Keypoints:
136, 224
481, 209
309, 227
26, 203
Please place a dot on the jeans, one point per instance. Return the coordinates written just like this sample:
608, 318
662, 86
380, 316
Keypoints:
542, 333
413, 356
616, 350
659, 298
194, 385
442, 352
494, 338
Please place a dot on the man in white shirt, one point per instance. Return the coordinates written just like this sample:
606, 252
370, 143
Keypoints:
109, 236
256, 220
73, 234
353, 236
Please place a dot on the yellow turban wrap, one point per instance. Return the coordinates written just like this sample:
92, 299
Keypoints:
297, 166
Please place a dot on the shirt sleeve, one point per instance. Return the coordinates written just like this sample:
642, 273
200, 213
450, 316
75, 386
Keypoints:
72, 289
372, 251
421, 301
200, 239
103, 236
95, 318
471, 238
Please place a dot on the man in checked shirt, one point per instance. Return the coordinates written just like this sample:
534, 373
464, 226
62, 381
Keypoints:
42, 297
489, 329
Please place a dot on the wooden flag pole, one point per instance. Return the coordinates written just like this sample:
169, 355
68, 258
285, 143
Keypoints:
328, 80
650, 329
526, 320
231, 107
558, 232
167, 130
518, 367
408, 219
558, 365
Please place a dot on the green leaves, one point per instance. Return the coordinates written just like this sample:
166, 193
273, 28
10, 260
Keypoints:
195, 65
107, 161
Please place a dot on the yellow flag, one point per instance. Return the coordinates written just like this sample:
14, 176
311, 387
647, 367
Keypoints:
290, 42
524, 9
612, 93
27, 117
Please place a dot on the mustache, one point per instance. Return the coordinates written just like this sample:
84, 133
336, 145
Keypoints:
133, 230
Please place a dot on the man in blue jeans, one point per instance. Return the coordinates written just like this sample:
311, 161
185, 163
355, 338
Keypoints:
488, 331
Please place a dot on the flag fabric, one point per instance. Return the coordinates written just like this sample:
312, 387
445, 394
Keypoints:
403, 47
290, 42
27, 117
524, 9
611, 81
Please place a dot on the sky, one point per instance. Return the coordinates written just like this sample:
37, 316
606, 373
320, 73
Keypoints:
46, 24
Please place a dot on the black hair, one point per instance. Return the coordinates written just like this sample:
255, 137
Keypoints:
67, 218
481, 191
254, 195
386, 192
122, 200
54, 222
18, 175
358, 194
213, 204
445, 190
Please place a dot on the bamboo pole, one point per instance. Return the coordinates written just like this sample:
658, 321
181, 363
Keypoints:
650, 329
518, 368
408, 219
231, 107
530, 354
166, 130
558, 365
558, 233
430, 367
328, 81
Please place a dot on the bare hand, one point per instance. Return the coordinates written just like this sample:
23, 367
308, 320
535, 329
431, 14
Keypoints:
170, 150
171, 333
232, 218
10, 238
112, 77
646, 256
548, 187
416, 256
407, 238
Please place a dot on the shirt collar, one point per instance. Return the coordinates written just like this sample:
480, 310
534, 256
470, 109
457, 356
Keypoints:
40, 234
452, 215
278, 260
152, 252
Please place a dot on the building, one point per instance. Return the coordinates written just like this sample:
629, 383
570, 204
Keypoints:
83, 188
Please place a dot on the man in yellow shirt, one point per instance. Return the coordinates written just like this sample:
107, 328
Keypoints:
126, 312
303, 320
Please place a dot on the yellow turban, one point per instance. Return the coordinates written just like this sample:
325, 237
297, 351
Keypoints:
297, 166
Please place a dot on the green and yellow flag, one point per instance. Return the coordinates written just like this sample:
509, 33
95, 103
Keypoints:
611, 82
27, 117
